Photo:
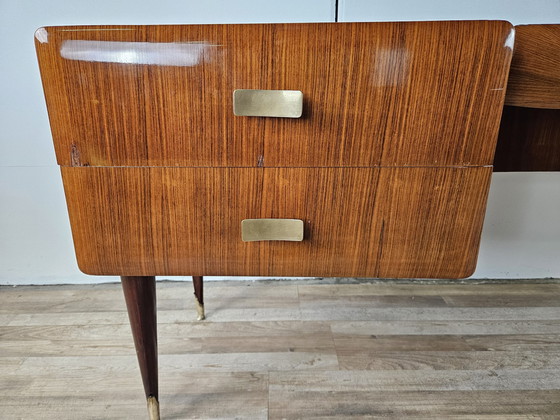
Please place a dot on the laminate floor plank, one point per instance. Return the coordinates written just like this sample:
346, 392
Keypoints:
415, 404
503, 300
373, 343
194, 329
287, 350
222, 314
245, 394
414, 380
104, 367
448, 360
442, 327
341, 312
13, 300
240, 337
435, 289
376, 301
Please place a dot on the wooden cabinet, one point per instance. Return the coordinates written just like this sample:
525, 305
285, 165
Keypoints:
388, 167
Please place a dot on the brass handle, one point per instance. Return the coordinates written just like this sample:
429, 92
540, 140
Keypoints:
267, 103
271, 230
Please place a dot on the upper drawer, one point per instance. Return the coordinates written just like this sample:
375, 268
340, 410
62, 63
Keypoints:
390, 94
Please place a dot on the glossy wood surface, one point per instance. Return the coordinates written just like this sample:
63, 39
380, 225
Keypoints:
388, 94
534, 79
529, 140
431, 221
362, 222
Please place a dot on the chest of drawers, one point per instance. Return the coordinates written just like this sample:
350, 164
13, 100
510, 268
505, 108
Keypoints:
388, 166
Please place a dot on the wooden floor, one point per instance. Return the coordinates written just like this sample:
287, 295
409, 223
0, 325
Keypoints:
291, 350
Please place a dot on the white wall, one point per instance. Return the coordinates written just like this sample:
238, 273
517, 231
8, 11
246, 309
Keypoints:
521, 233
516, 11
35, 238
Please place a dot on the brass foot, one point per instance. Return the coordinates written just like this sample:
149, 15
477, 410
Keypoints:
153, 408
200, 311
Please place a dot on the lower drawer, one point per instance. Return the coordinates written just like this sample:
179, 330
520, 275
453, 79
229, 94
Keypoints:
358, 222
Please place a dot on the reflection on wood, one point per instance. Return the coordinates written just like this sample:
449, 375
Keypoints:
404, 93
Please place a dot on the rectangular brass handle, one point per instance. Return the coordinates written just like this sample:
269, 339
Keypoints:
271, 230
267, 103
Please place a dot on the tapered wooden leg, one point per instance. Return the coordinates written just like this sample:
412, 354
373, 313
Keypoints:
140, 296
199, 295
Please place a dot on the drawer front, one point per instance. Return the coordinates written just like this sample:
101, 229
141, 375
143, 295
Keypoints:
363, 222
374, 94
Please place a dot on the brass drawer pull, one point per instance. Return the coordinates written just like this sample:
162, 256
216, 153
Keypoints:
267, 103
271, 230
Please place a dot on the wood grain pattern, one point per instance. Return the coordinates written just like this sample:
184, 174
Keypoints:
368, 222
408, 93
191, 230
388, 167
431, 221
529, 140
534, 79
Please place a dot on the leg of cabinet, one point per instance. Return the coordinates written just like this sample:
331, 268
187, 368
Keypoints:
199, 295
140, 297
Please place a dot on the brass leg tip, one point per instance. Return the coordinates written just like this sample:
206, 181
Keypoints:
153, 408
200, 311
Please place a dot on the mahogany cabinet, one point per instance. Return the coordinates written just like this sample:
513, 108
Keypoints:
387, 168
